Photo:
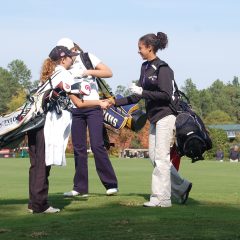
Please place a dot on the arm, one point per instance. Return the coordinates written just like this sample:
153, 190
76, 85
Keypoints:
165, 86
156, 95
101, 71
126, 100
79, 103
163, 89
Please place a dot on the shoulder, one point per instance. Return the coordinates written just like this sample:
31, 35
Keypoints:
159, 63
162, 66
62, 74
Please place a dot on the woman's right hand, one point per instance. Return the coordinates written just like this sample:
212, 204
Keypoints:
104, 104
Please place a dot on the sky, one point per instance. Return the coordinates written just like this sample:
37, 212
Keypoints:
204, 35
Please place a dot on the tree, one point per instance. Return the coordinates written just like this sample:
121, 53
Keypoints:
218, 117
8, 88
20, 73
219, 140
206, 103
121, 90
192, 93
17, 100
235, 82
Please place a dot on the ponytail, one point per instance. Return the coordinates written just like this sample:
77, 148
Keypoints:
47, 70
157, 42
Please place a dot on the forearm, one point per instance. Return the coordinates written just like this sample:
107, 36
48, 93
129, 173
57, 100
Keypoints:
127, 100
80, 103
156, 95
99, 73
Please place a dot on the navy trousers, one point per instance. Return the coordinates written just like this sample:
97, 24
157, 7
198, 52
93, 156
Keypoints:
38, 172
93, 119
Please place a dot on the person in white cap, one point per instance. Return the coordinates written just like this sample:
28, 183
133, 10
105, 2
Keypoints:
91, 118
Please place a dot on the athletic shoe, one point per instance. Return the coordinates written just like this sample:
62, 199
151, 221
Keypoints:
30, 210
112, 191
185, 196
52, 210
74, 193
155, 202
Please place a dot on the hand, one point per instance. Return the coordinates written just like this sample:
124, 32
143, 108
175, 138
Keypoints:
135, 89
85, 73
104, 104
111, 101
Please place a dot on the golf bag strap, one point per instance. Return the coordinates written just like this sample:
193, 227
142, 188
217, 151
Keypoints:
88, 65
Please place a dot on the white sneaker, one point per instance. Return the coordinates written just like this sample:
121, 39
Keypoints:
112, 191
30, 210
52, 210
84, 195
74, 193
155, 202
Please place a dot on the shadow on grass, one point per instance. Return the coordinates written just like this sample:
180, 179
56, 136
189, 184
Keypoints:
120, 217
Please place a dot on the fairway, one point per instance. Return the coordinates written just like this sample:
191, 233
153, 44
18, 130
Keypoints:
212, 211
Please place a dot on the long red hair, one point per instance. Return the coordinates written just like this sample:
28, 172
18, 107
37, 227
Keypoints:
47, 70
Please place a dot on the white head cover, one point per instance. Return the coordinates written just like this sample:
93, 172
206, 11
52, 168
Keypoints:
66, 42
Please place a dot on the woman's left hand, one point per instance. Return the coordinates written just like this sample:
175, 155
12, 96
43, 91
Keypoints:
135, 89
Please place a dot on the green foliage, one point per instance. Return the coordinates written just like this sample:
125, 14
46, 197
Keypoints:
219, 117
8, 88
122, 90
17, 100
12, 80
20, 73
193, 94
220, 141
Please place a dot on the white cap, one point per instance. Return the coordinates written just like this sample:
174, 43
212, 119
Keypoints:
66, 42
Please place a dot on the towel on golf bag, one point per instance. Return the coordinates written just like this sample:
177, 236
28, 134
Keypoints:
129, 115
57, 130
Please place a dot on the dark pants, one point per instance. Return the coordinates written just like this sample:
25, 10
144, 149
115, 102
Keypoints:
93, 118
38, 172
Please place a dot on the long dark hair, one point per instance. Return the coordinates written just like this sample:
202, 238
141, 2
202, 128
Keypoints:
158, 41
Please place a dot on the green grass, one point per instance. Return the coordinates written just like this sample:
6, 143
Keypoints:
212, 212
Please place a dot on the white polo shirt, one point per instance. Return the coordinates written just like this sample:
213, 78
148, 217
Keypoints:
62, 75
77, 70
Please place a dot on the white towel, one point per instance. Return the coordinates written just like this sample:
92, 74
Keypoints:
57, 129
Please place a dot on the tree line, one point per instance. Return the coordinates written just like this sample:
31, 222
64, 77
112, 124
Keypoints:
217, 104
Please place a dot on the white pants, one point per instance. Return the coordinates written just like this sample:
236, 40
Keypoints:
165, 181
174, 184
160, 139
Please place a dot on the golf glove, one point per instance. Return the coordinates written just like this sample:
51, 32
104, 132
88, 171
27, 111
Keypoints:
135, 89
